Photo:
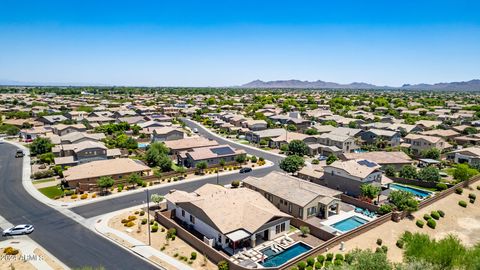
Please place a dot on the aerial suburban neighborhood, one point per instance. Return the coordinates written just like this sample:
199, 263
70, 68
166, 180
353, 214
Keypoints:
198, 136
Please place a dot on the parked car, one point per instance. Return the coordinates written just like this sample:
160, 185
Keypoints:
28, 140
245, 170
19, 153
321, 158
195, 130
19, 230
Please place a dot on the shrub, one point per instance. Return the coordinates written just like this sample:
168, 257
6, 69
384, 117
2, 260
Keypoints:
427, 217
136, 212
84, 196
328, 264
10, 251
478, 187
419, 223
462, 203
130, 224
384, 249
162, 230
144, 184
472, 200
154, 228
124, 220
309, 268
235, 183
441, 186
441, 213
142, 213
378, 250
132, 218
339, 257
329, 256
171, 232
173, 238
310, 261
348, 258
400, 243
472, 196
144, 221
459, 190
119, 189
379, 241
294, 268
385, 209
338, 263
301, 265
321, 258
315, 162
193, 256
318, 265
94, 195
435, 215
74, 196
68, 192
432, 223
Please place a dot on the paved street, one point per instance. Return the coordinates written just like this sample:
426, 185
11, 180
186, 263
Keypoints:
114, 204
70, 242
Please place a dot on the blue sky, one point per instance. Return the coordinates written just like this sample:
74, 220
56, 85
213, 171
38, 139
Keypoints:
223, 43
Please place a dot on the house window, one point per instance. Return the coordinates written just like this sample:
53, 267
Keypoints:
290, 208
300, 212
280, 228
192, 219
183, 213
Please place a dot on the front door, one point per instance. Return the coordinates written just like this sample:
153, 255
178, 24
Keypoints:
265, 235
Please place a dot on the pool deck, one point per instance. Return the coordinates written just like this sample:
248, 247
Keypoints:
342, 216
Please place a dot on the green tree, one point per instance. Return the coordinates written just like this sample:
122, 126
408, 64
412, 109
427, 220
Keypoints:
353, 124
136, 129
240, 159
223, 265
408, 172
164, 163
390, 171
105, 182
331, 158
432, 153
40, 146
367, 260
403, 200
297, 147
292, 163
201, 166
470, 130
47, 158
429, 174
291, 128
157, 198
463, 172
222, 163
311, 131
134, 178
370, 191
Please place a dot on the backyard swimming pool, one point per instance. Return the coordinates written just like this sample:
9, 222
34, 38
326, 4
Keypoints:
277, 259
143, 145
415, 191
349, 223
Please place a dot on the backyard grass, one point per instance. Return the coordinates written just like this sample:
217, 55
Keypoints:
449, 171
51, 192
44, 180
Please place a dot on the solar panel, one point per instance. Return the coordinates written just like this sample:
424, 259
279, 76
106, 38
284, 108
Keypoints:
367, 163
222, 151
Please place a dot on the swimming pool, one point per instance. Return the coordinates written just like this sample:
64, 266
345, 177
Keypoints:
349, 223
277, 259
143, 145
415, 191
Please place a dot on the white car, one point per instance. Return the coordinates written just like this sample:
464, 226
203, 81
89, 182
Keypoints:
195, 130
19, 230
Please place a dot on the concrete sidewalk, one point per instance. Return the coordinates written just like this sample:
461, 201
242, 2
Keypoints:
100, 224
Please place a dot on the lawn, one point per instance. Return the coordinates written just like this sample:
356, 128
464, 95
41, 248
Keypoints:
43, 181
51, 192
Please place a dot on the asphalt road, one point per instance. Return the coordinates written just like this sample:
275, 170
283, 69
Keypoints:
118, 203
69, 241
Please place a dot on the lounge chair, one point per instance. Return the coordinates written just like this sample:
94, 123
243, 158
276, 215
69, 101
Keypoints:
289, 239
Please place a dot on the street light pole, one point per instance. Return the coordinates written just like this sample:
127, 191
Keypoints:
217, 177
148, 218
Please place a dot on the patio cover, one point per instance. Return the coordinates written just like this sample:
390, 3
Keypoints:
238, 235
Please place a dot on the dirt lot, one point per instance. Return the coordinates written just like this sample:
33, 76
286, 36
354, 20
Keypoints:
462, 222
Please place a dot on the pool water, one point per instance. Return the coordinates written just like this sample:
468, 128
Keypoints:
143, 145
349, 224
277, 259
415, 191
